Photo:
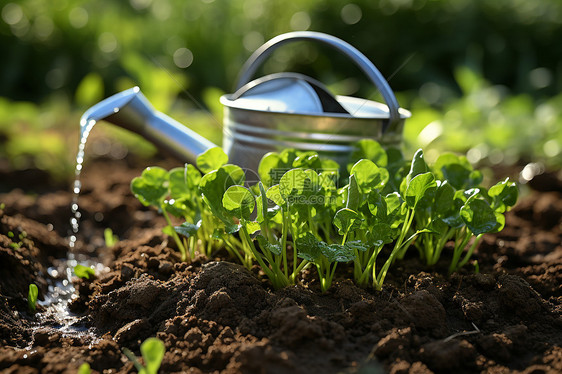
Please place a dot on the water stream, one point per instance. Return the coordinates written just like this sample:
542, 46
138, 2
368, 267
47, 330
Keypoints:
85, 128
61, 290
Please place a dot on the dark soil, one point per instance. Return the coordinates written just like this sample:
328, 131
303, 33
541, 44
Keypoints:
216, 317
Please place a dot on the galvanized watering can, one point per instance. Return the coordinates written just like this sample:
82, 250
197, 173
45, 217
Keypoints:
283, 110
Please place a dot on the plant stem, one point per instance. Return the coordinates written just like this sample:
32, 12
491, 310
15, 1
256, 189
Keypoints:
284, 231
254, 251
470, 251
460, 243
175, 235
440, 245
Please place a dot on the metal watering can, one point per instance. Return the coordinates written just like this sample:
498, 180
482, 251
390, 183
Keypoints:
278, 111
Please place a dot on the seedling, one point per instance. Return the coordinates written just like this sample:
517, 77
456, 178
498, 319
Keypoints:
84, 272
297, 216
84, 368
459, 209
152, 351
21, 236
110, 239
32, 295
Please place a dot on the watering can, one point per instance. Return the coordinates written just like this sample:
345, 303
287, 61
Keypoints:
271, 113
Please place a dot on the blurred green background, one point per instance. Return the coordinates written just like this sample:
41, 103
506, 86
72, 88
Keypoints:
480, 76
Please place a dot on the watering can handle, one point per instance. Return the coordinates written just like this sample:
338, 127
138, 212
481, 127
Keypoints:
263, 52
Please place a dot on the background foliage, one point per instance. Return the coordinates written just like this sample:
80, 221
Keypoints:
481, 76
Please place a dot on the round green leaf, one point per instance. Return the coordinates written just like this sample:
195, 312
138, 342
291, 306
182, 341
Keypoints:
308, 160
369, 175
152, 350
346, 220
418, 187
309, 247
266, 169
184, 182
239, 201
479, 216
211, 159
274, 195
292, 183
84, 272
371, 150
151, 187
504, 194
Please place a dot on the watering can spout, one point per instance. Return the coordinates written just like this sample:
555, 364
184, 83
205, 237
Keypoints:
132, 111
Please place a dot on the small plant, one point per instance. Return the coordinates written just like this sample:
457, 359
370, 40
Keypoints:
84, 368
84, 272
32, 295
177, 193
152, 351
17, 244
110, 238
298, 216
458, 209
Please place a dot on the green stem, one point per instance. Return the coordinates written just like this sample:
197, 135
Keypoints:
400, 247
284, 231
470, 251
331, 275
407, 224
192, 244
294, 234
254, 251
440, 245
460, 243
369, 268
175, 235
277, 278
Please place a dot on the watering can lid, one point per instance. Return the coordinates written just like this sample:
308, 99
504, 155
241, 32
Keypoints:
299, 94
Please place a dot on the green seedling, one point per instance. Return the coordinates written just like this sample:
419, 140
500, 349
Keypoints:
152, 351
32, 295
459, 209
110, 239
84, 272
297, 216
17, 244
84, 368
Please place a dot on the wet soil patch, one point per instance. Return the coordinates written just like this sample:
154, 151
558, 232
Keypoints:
215, 316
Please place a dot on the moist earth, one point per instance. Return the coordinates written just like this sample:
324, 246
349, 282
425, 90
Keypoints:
214, 316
